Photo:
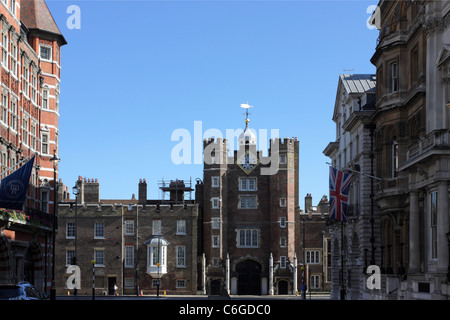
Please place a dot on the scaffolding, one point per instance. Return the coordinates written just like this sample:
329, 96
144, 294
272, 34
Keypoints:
175, 191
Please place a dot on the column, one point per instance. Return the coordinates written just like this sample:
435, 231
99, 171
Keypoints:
295, 274
204, 273
227, 275
414, 242
442, 227
271, 275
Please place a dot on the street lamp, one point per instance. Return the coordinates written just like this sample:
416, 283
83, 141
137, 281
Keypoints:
448, 268
55, 161
76, 191
93, 279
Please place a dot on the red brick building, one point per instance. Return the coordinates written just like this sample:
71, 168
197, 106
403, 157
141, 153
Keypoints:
249, 217
30, 74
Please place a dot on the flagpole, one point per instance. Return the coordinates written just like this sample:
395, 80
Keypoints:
342, 261
5, 172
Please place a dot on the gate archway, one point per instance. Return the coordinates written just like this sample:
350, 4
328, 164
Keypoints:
282, 287
249, 278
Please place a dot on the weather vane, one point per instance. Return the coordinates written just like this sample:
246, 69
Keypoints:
246, 106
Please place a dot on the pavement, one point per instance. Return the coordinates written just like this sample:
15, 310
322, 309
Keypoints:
312, 296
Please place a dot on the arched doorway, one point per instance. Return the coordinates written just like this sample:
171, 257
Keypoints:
282, 287
33, 264
249, 277
215, 288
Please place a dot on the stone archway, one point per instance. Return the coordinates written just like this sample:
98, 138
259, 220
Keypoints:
215, 287
33, 266
283, 287
249, 277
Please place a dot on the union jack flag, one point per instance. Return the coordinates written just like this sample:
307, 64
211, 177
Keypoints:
339, 189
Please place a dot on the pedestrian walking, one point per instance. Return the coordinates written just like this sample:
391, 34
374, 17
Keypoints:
303, 291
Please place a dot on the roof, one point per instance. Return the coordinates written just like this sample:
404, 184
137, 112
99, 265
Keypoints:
36, 15
358, 83
353, 84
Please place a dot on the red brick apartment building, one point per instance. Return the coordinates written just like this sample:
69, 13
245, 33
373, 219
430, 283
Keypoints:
30, 73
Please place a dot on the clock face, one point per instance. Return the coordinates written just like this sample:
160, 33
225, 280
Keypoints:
247, 162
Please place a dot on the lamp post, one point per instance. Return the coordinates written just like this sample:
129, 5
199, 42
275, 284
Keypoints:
76, 191
158, 265
448, 268
55, 161
93, 279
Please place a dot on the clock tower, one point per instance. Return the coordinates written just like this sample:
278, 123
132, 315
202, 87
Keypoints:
250, 224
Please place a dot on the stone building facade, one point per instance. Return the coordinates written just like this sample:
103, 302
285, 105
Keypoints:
353, 151
249, 214
409, 226
143, 246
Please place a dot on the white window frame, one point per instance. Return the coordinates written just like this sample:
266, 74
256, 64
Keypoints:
180, 283
283, 242
245, 202
4, 102
33, 86
283, 262
248, 184
13, 116
26, 80
283, 202
215, 241
215, 203
248, 238
314, 281
181, 256
70, 254
45, 100
181, 227
45, 143
25, 123
393, 66
50, 58
283, 222
215, 181
215, 223
155, 256
99, 230
156, 227
283, 158
70, 230
129, 257
99, 257
312, 256
5, 50
14, 59
129, 227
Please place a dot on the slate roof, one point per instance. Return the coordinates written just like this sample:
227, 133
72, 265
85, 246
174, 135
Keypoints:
358, 83
36, 15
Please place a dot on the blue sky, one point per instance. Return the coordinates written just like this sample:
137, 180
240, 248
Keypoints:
138, 70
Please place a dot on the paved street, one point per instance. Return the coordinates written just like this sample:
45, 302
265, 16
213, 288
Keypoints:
320, 296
